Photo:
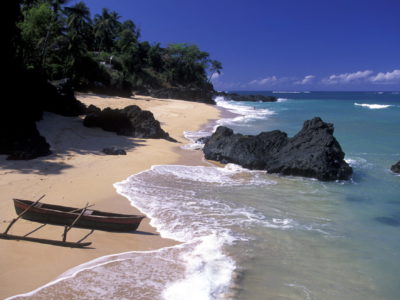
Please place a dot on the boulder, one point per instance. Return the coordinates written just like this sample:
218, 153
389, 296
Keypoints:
23, 141
58, 97
203, 140
247, 98
130, 121
313, 152
114, 151
195, 94
396, 167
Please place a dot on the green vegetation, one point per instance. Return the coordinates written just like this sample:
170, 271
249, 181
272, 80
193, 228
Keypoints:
103, 53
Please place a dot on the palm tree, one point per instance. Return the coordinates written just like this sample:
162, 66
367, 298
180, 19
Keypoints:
215, 68
78, 16
106, 27
78, 24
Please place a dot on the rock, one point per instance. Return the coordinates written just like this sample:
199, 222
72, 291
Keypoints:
203, 140
313, 152
130, 121
58, 97
247, 98
114, 151
396, 167
92, 109
23, 142
203, 95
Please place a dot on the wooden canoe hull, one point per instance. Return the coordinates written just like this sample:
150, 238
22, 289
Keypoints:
61, 215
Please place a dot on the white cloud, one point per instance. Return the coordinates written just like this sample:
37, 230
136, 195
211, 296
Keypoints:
347, 77
265, 81
388, 77
306, 80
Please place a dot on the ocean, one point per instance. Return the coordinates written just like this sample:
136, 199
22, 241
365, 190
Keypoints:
249, 235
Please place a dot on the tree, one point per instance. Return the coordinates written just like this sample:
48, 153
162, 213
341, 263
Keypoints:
215, 68
128, 37
79, 27
39, 32
79, 35
106, 27
186, 64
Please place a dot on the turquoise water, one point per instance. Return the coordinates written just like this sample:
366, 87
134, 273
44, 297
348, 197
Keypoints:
358, 256
249, 235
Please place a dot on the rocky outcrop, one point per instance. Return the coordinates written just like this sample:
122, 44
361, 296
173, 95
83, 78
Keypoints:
113, 151
130, 121
29, 94
313, 152
396, 167
247, 98
23, 141
203, 95
60, 99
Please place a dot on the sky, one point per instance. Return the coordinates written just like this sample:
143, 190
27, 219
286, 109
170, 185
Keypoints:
290, 45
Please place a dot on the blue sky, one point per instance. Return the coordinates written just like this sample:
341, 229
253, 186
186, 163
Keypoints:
282, 44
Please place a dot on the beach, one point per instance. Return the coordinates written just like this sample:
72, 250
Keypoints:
76, 173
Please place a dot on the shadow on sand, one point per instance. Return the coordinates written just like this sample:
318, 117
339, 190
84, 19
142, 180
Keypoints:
67, 137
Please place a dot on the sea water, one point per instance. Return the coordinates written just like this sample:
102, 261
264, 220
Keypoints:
251, 235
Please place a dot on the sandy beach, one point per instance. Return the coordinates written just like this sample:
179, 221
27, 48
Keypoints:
78, 172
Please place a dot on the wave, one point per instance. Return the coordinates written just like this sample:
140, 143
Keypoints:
193, 137
373, 106
246, 114
170, 196
358, 162
184, 203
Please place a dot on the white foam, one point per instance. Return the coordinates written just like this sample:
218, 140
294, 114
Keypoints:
358, 162
208, 272
91, 280
203, 224
282, 99
230, 174
373, 106
246, 114
193, 136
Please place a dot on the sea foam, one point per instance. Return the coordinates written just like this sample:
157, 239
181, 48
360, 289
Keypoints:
245, 113
169, 195
372, 106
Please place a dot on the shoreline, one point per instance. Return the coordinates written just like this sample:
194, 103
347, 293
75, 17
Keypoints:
77, 161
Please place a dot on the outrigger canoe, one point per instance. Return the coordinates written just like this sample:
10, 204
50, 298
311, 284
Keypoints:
91, 219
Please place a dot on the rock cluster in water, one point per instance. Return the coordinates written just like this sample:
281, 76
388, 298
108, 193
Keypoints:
312, 152
396, 167
129, 121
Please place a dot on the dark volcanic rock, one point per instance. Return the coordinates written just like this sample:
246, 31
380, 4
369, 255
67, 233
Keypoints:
130, 121
204, 95
23, 142
313, 152
396, 167
114, 151
250, 98
203, 139
58, 97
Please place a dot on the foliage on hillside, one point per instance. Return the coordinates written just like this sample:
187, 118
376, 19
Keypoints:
102, 52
